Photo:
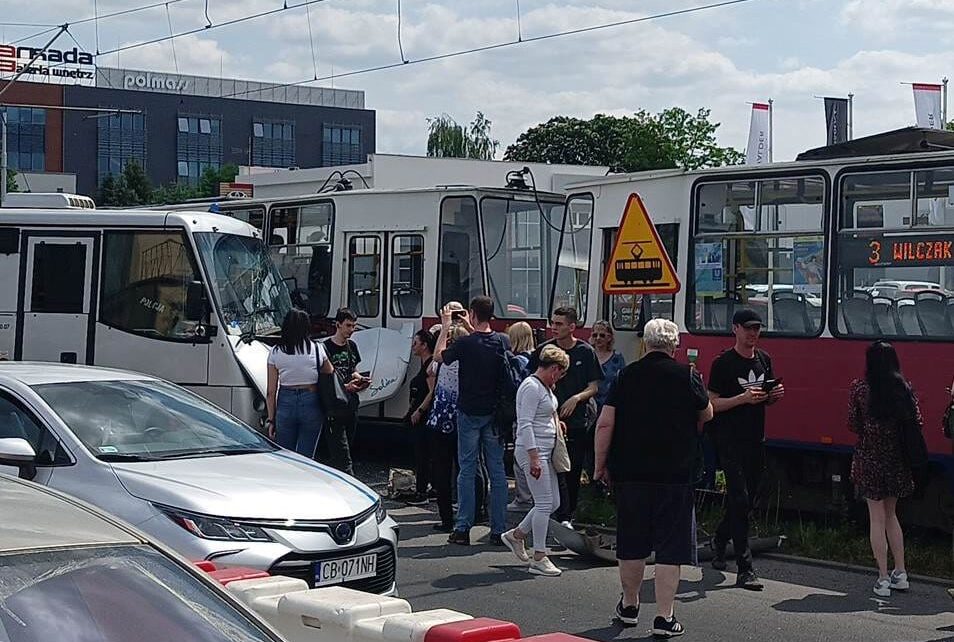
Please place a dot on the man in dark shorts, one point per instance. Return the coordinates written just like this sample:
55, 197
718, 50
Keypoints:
741, 384
647, 445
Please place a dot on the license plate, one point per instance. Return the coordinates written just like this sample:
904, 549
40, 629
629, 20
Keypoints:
346, 569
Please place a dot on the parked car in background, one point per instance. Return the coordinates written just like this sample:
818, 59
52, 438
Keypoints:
903, 289
71, 572
192, 476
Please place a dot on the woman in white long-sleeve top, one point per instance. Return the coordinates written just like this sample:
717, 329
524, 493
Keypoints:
536, 435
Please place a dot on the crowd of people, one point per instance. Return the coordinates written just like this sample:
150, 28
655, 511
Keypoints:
567, 407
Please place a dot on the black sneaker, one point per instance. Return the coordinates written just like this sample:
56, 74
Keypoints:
749, 581
628, 615
417, 499
663, 628
495, 540
718, 555
459, 537
444, 527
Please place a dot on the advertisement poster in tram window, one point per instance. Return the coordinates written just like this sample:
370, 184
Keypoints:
809, 258
710, 274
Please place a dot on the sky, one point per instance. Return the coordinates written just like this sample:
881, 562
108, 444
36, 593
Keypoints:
722, 58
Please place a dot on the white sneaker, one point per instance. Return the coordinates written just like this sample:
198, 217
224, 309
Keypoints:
515, 545
567, 524
544, 567
882, 587
899, 580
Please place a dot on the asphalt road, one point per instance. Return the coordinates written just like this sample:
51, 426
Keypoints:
799, 603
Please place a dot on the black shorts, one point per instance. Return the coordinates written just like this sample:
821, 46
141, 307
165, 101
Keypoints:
654, 518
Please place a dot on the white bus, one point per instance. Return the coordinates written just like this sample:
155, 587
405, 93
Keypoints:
186, 296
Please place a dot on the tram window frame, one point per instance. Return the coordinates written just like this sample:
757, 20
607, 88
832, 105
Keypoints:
580, 306
416, 278
377, 243
866, 249
318, 303
480, 272
778, 241
612, 301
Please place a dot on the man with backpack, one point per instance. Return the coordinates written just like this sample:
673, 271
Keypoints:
573, 393
484, 383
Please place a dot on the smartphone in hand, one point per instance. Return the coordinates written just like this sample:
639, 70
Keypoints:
771, 384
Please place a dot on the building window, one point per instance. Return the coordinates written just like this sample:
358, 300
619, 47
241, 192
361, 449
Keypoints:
273, 143
198, 147
341, 145
121, 138
26, 138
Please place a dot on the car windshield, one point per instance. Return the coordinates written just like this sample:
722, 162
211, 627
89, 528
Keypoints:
248, 287
147, 420
113, 594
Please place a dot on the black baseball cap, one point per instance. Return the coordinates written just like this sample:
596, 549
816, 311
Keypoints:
746, 317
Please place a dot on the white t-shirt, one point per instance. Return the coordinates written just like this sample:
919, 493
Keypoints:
297, 369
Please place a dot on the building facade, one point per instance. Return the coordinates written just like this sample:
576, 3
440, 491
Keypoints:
185, 125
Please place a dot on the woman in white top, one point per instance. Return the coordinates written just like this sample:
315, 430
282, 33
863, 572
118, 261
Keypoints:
295, 417
537, 426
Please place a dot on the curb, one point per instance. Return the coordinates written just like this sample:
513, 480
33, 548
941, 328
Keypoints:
853, 568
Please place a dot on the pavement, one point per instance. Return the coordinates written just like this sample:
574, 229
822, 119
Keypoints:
799, 603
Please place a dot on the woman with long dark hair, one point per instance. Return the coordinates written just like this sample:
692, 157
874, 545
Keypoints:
294, 408
881, 405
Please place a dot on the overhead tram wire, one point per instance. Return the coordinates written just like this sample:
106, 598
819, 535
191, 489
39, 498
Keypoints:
499, 45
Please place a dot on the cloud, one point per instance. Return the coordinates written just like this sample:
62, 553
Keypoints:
891, 19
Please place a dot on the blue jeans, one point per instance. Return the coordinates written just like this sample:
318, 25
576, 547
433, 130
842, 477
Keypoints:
475, 432
298, 419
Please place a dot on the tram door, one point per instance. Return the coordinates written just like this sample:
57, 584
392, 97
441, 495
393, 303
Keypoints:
384, 279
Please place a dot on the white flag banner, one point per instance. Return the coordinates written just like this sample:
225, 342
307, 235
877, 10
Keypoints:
759, 150
927, 105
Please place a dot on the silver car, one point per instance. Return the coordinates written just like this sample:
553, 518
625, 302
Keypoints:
193, 477
71, 572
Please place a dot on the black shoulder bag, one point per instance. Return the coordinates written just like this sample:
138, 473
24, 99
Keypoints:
334, 398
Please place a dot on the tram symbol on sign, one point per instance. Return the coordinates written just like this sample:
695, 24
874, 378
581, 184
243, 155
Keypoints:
639, 263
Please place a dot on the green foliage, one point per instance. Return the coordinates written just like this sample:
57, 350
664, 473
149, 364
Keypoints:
448, 139
136, 184
670, 139
12, 181
132, 187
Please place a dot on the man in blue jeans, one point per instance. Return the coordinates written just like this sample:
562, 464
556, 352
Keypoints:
481, 374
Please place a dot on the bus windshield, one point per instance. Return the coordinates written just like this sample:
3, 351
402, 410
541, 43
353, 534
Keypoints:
248, 288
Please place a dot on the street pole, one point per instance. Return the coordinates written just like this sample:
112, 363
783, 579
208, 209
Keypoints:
770, 132
3, 156
944, 104
851, 116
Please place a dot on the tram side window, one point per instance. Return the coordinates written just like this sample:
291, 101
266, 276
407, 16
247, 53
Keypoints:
631, 311
896, 278
364, 276
146, 277
573, 261
300, 246
776, 267
459, 273
407, 276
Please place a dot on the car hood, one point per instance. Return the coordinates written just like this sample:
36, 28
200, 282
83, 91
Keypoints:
279, 485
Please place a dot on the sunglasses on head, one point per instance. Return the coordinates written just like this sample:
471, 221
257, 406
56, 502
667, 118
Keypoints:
600, 335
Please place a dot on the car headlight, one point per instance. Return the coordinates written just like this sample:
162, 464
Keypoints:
380, 512
217, 528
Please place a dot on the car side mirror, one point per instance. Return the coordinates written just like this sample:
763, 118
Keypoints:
15, 451
197, 305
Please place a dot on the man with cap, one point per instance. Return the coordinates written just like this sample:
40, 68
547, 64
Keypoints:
741, 385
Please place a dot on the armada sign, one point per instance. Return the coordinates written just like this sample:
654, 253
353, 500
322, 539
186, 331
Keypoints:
161, 82
56, 65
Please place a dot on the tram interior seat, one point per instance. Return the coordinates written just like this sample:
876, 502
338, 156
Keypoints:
932, 314
909, 317
407, 301
717, 312
790, 313
886, 320
857, 312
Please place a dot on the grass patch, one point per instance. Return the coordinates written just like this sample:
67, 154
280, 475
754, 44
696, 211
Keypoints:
824, 537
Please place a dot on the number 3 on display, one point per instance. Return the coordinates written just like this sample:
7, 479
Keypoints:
875, 257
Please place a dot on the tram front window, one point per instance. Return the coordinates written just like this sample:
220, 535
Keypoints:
245, 283
521, 242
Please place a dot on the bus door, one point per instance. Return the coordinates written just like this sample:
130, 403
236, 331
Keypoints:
54, 311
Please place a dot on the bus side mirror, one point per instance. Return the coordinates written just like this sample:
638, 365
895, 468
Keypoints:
197, 305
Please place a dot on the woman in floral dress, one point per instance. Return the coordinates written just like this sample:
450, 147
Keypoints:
880, 406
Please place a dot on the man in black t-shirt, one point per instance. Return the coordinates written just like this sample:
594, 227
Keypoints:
573, 393
344, 356
647, 442
741, 384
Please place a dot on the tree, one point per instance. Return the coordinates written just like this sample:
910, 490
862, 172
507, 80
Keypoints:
108, 192
137, 189
448, 139
672, 138
211, 177
12, 181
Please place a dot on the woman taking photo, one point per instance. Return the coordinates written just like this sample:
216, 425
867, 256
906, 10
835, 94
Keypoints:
295, 417
881, 406
537, 426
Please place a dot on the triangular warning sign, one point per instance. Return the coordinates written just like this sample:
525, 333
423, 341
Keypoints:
639, 263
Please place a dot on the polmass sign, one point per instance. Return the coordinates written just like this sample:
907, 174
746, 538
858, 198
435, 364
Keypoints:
639, 263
